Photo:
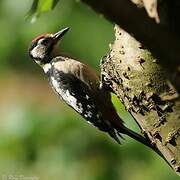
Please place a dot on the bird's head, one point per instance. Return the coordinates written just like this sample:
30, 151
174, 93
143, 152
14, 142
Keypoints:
43, 48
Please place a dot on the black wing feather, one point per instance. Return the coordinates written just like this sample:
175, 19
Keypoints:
84, 99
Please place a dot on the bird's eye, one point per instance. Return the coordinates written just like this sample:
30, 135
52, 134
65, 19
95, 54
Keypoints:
45, 42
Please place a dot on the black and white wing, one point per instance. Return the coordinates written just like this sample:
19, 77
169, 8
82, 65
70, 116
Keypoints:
78, 95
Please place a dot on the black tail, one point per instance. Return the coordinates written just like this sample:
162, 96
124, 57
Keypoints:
142, 140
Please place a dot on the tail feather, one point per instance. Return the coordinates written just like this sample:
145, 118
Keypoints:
136, 136
144, 141
140, 139
113, 134
121, 129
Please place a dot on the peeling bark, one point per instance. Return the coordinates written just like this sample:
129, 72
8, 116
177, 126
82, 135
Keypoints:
150, 6
141, 84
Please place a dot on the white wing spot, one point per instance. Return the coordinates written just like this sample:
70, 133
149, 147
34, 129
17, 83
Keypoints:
80, 107
89, 122
98, 116
88, 114
87, 97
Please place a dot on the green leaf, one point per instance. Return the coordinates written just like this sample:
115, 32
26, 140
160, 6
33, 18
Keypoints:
33, 8
41, 6
44, 5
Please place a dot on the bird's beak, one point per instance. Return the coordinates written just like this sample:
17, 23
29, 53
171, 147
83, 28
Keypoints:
57, 36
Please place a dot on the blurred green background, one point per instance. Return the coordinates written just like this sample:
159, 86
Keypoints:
39, 135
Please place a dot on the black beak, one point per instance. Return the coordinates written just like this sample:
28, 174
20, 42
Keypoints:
57, 36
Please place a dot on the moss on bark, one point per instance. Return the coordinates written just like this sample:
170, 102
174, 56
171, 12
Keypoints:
142, 85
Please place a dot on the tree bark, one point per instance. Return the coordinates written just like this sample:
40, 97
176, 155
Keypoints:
162, 39
142, 82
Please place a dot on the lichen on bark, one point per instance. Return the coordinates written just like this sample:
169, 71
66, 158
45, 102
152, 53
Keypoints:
142, 84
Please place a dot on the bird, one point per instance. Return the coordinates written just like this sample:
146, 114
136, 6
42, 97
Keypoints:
78, 85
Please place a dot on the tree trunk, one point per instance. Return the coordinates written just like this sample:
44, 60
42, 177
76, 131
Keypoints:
142, 82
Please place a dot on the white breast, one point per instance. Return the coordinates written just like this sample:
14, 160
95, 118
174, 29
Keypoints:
66, 96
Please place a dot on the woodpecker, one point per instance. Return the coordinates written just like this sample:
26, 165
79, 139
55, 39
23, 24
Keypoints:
79, 86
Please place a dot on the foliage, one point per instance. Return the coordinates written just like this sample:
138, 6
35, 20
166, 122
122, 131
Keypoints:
40, 6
